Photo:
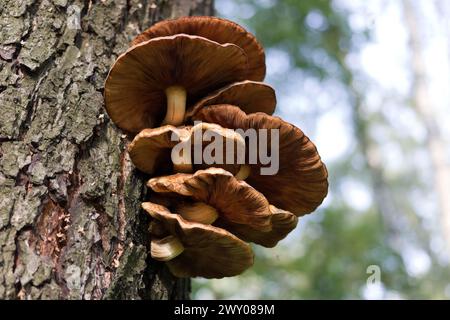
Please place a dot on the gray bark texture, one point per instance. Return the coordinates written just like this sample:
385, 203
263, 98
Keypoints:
71, 226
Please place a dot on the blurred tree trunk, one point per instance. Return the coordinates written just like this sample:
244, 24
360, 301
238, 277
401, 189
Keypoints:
70, 220
422, 102
403, 227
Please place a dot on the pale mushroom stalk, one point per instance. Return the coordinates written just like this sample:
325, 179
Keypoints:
209, 251
176, 105
166, 249
182, 162
135, 101
243, 173
198, 212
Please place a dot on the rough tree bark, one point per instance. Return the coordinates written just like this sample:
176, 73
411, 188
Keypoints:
70, 220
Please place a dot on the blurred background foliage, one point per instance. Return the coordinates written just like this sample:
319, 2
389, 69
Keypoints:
368, 82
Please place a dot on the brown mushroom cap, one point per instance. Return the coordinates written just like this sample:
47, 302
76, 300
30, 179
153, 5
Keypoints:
209, 252
216, 29
135, 87
250, 96
283, 222
301, 182
201, 186
236, 201
150, 150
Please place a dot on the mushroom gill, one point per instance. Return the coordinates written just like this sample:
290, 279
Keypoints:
241, 209
300, 184
197, 212
153, 80
250, 96
208, 251
161, 149
236, 201
216, 29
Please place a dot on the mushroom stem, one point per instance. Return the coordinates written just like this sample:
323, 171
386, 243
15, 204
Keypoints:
198, 212
166, 249
243, 173
182, 162
176, 105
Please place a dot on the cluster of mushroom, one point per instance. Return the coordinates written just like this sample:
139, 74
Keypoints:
209, 69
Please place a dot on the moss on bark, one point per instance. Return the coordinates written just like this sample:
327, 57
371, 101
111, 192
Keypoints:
70, 220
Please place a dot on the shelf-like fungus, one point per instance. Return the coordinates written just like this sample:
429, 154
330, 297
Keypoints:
216, 195
250, 96
153, 81
283, 222
194, 249
151, 149
300, 184
236, 201
216, 29
238, 207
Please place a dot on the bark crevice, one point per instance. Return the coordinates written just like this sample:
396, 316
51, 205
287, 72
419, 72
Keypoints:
71, 225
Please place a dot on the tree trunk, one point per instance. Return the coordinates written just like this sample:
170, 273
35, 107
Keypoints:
422, 103
71, 226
